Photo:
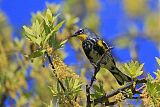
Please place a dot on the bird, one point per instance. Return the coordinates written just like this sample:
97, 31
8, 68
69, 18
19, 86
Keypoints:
94, 47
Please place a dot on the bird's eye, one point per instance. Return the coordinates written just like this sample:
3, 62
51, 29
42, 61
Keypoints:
80, 31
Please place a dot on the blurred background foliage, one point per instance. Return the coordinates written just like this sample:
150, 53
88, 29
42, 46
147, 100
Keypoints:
25, 82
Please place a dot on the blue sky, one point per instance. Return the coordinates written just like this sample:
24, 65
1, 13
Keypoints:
18, 13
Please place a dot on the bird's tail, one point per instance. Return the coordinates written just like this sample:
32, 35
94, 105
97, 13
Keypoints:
120, 77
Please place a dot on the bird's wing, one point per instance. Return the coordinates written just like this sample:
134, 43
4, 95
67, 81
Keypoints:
102, 43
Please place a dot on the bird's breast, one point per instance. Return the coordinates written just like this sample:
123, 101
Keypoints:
92, 50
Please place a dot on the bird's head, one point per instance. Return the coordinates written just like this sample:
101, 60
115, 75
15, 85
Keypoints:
82, 34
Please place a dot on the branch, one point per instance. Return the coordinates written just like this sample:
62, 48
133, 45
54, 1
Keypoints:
135, 97
115, 92
141, 88
50, 61
61, 84
96, 69
115, 102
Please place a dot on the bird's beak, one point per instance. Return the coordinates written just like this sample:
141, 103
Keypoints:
74, 35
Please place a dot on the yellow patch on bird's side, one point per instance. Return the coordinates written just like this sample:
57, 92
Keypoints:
82, 37
101, 44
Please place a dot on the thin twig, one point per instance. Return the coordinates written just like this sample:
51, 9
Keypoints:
111, 103
135, 97
115, 102
61, 84
115, 92
141, 88
88, 96
50, 61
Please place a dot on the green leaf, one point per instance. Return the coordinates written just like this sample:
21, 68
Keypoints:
54, 92
78, 88
73, 86
58, 26
28, 30
153, 88
54, 43
36, 29
96, 88
98, 91
157, 73
126, 69
49, 35
76, 84
67, 83
34, 34
46, 21
158, 60
36, 54
133, 69
38, 41
49, 15
62, 43
71, 83
55, 18
29, 34
46, 28
138, 74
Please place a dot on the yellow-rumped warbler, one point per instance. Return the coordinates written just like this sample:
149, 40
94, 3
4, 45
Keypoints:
94, 47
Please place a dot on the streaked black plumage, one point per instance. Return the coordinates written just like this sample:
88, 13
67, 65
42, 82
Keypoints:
94, 47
